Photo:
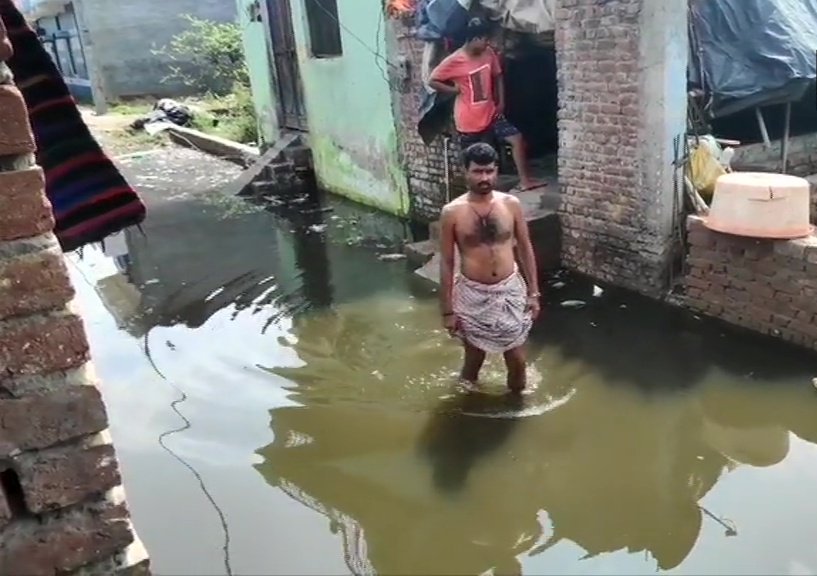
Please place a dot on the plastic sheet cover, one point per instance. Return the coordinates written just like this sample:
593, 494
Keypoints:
748, 53
529, 16
438, 19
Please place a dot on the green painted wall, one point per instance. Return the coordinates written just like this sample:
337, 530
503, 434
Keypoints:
349, 109
258, 62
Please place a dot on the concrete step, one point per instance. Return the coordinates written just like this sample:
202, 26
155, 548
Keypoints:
419, 253
299, 156
430, 272
258, 170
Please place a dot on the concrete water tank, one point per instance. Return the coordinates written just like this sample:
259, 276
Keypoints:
760, 205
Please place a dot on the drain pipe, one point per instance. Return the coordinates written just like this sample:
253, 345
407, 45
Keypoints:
447, 171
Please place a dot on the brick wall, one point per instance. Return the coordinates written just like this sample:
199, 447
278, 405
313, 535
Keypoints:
62, 506
802, 156
425, 165
763, 285
617, 119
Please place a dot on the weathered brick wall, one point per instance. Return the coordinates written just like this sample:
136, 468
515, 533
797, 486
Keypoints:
62, 506
425, 165
802, 156
763, 285
617, 119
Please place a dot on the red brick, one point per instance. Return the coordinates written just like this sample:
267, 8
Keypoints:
693, 282
15, 131
59, 477
41, 421
42, 345
63, 544
5, 44
24, 209
34, 283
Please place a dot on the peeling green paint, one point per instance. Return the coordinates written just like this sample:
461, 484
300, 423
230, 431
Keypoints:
349, 108
258, 63
338, 170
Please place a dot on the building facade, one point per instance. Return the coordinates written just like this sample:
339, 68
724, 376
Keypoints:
356, 88
330, 78
111, 53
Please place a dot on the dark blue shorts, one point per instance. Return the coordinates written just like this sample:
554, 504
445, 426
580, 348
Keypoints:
500, 128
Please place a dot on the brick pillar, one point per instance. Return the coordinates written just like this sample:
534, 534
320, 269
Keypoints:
622, 97
62, 505
425, 165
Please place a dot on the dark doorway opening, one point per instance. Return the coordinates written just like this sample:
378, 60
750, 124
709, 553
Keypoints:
531, 101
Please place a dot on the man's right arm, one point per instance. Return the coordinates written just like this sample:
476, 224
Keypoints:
447, 247
441, 78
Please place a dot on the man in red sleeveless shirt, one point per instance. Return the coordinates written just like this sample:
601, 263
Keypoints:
473, 73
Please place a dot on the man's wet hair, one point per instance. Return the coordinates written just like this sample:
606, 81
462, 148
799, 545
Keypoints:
481, 154
477, 28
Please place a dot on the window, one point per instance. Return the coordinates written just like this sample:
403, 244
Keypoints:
324, 28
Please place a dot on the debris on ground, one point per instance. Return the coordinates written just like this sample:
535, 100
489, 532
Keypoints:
166, 113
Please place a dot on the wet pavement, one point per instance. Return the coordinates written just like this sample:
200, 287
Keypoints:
282, 403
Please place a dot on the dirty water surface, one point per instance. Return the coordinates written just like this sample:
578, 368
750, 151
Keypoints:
282, 403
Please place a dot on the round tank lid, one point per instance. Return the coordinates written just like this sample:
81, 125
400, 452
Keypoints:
762, 179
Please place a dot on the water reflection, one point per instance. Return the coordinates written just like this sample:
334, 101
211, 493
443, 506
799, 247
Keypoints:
192, 259
630, 430
639, 421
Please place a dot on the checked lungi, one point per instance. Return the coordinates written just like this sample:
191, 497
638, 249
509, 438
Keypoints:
494, 318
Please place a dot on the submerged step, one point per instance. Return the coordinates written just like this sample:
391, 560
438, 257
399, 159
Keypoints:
419, 253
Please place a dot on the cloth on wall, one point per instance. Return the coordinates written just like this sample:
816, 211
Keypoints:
528, 16
89, 196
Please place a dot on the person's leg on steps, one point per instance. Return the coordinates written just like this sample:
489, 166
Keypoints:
511, 134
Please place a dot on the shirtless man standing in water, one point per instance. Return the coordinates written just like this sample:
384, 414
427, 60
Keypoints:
487, 302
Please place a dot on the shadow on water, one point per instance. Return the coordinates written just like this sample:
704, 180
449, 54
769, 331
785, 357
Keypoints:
458, 434
644, 410
639, 342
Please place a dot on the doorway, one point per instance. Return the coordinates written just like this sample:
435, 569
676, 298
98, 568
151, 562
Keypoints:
292, 111
529, 69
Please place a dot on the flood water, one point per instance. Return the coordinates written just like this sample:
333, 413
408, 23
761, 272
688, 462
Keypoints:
282, 403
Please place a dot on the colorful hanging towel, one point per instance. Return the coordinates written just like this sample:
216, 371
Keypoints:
89, 197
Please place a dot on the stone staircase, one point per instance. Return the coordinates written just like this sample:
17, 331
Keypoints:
284, 165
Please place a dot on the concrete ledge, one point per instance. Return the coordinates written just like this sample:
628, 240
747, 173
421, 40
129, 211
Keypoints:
227, 149
768, 286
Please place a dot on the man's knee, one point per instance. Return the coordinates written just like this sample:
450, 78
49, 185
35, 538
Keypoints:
515, 358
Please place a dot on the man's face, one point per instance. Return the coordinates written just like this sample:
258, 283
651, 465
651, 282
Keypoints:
481, 179
478, 45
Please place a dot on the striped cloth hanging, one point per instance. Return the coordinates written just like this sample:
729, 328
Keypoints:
89, 196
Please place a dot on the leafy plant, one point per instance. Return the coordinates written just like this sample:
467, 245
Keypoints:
208, 56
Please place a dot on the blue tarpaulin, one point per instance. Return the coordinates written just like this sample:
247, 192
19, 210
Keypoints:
749, 53
437, 19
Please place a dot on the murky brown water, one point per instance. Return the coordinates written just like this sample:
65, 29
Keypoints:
326, 430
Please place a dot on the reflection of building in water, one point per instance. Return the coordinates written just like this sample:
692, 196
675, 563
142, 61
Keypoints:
354, 541
615, 470
189, 267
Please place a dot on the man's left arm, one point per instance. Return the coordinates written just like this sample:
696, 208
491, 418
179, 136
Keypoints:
527, 257
499, 84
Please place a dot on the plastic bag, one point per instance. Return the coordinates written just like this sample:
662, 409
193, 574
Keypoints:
704, 171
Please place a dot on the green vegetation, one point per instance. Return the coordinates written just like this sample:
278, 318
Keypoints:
209, 57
